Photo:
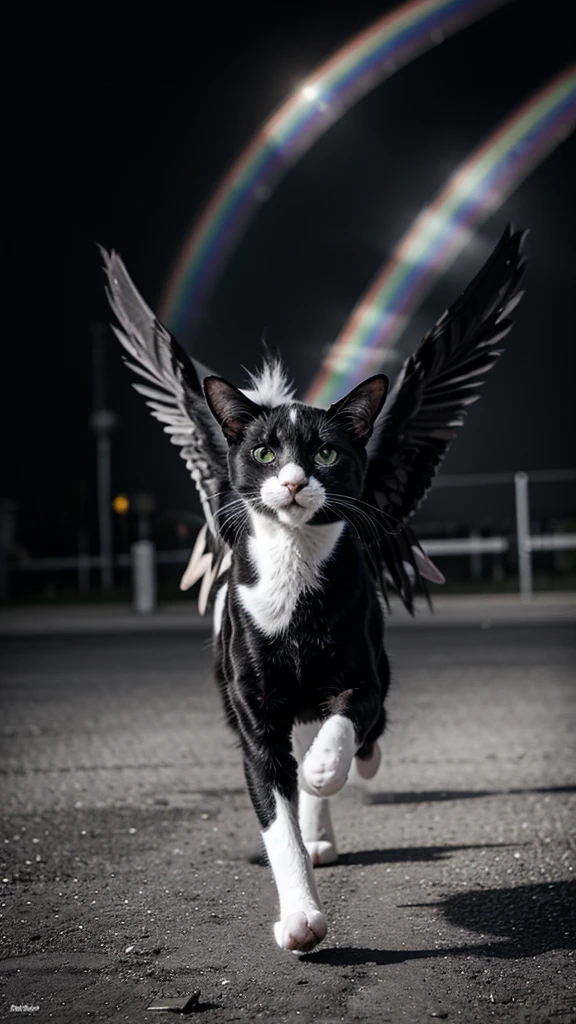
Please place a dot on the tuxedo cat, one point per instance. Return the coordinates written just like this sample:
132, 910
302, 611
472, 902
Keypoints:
306, 528
299, 648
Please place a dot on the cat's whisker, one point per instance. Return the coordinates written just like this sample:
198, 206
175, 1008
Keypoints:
235, 503
229, 505
359, 501
367, 523
232, 511
233, 515
218, 494
237, 520
364, 519
373, 508
356, 502
330, 505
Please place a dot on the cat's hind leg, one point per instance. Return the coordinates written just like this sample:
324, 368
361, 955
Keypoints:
316, 828
368, 764
369, 756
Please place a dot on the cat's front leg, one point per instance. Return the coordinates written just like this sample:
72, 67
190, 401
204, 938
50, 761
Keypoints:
358, 716
302, 924
271, 775
313, 811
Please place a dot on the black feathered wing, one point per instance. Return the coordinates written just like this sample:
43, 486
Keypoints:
174, 395
429, 402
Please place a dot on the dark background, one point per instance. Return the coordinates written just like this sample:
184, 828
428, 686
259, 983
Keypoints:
117, 132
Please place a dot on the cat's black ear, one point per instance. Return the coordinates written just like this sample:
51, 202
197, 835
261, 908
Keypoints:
229, 406
360, 407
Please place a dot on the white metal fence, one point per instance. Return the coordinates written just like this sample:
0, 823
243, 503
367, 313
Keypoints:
143, 558
526, 543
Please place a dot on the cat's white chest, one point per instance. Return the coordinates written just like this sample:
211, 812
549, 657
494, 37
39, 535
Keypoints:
288, 564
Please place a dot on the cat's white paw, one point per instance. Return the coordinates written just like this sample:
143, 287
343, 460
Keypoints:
321, 851
327, 763
368, 766
301, 931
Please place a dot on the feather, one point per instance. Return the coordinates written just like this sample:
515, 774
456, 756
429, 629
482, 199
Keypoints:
430, 399
175, 398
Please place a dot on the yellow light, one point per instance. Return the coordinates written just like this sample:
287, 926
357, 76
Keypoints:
120, 504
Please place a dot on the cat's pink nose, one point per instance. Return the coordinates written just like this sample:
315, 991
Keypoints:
293, 485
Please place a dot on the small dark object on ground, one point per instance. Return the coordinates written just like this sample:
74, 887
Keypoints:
183, 1004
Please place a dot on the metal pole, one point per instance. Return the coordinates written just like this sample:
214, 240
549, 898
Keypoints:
103, 422
104, 509
523, 535
144, 576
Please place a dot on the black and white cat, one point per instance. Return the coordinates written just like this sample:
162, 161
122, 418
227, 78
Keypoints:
307, 515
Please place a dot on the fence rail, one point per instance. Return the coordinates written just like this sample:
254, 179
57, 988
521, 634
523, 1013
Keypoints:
466, 545
552, 542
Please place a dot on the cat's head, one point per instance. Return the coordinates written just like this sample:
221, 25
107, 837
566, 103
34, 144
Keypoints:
292, 462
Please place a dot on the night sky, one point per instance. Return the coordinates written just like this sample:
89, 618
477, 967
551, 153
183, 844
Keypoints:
120, 133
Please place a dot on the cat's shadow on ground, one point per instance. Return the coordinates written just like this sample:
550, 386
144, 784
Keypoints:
410, 854
444, 795
394, 855
521, 921
525, 921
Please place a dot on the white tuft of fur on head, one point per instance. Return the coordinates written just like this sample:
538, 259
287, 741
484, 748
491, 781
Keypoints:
270, 386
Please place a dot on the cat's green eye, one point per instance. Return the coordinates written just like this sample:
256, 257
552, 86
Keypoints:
325, 456
263, 454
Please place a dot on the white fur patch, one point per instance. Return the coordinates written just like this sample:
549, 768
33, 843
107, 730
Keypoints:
326, 765
270, 386
302, 924
293, 415
293, 510
288, 564
292, 472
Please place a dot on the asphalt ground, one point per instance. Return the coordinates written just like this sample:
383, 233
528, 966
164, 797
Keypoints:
128, 832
